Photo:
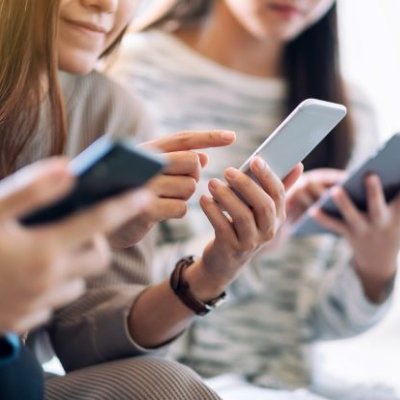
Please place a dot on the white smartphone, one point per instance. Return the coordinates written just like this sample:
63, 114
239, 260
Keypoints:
297, 135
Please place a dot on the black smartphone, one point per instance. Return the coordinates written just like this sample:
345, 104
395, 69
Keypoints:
105, 169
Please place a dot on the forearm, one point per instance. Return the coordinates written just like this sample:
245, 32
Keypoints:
94, 328
342, 308
158, 315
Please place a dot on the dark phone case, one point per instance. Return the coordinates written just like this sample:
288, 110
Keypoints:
105, 169
385, 163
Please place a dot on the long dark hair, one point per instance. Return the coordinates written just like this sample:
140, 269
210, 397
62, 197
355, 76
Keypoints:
311, 68
28, 54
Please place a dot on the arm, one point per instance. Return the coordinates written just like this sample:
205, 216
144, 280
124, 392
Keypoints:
340, 307
158, 315
145, 318
347, 300
94, 328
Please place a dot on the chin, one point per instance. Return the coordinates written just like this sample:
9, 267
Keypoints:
77, 65
284, 35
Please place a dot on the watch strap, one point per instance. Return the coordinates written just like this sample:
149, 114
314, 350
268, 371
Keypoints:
182, 289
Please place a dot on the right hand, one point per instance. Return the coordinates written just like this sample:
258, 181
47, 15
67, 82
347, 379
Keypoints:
43, 267
176, 185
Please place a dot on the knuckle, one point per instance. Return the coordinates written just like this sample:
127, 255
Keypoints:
189, 187
250, 245
265, 208
245, 219
269, 234
34, 193
181, 210
269, 209
102, 253
280, 193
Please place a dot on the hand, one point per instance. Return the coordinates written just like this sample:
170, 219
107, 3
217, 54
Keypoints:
174, 188
374, 235
250, 224
43, 267
308, 189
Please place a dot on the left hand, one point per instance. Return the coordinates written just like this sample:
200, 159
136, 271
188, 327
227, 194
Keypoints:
374, 235
245, 216
307, 190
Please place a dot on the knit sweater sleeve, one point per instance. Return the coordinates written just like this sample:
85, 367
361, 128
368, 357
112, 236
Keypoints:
94, 329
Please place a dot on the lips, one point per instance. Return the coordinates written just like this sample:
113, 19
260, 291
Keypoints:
89, 26
285, 9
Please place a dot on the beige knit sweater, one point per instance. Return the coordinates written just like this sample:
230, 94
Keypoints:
93, 329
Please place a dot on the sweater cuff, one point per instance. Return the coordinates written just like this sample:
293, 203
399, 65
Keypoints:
111, 334
9, 348
361, 310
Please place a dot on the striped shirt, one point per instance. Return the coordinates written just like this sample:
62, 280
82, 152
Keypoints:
285, 299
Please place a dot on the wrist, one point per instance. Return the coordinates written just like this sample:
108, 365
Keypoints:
376, 286
203, 285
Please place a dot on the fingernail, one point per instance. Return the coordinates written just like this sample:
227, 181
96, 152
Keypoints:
259, 163
206, 199
374, 179
231, 173
228, 136
213, 184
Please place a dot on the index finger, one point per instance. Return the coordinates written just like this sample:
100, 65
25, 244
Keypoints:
192, 140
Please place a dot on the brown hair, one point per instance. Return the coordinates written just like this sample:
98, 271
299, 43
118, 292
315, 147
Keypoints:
28, 55
311, 68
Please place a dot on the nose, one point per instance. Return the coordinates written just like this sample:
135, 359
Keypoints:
108, 6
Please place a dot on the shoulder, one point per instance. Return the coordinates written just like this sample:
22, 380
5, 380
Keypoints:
97, 103
97, 90
147, 41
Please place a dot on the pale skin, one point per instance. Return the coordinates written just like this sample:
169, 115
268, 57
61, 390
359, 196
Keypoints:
374, 236
43, 268
250, 36
176, 185
158, 315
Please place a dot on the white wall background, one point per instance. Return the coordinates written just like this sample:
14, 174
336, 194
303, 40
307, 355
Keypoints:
370, 39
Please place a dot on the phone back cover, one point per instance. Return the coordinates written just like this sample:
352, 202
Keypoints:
385, 163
